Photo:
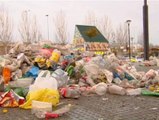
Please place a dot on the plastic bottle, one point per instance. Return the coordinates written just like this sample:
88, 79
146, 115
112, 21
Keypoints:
70, 92
62, 110
54, 114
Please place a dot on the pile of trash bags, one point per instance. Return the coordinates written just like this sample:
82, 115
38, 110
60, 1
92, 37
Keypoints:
39, 79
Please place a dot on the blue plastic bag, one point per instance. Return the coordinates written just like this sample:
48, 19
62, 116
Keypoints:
33, 72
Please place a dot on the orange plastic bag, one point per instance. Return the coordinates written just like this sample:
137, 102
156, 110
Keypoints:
6, 75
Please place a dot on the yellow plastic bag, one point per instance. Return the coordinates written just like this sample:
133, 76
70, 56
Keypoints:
43, 95
40, 60
55, 56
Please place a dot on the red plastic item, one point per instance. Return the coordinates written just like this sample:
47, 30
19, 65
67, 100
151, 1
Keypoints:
11, 99
51, 115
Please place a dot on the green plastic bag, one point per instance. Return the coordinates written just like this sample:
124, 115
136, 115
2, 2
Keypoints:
149, 93
21, 91
70, 70
46, 46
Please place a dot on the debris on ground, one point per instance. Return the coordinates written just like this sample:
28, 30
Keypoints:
39, 79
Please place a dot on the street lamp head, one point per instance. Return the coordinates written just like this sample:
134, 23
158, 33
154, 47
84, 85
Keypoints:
128, 21
46, 15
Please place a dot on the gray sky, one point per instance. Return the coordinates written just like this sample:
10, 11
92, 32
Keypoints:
118, 12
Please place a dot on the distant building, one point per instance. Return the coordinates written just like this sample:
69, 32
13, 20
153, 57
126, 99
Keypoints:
89, 38
154, 51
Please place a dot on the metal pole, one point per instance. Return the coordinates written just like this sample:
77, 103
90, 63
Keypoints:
132, 44
128, 22
47, 26
146, 30
126, 47
129, 40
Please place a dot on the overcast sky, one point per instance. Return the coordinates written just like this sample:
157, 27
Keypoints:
118, 12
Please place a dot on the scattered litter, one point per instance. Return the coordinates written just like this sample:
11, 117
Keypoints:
104, 99
154, 108
38, 79
4, 110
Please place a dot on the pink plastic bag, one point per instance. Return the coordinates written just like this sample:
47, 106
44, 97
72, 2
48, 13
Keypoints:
45, 52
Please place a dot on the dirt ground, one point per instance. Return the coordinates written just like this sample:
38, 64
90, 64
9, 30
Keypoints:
108, 107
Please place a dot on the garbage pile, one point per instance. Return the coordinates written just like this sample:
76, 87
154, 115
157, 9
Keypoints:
37, 80
153, 61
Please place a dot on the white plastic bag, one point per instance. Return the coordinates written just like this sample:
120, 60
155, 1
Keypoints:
109, 75
99, 61
114, 89
42, 82
61, 77
22, 82
91, 69
133, 91
100, 88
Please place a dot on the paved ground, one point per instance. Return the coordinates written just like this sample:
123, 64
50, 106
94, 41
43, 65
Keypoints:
108, 107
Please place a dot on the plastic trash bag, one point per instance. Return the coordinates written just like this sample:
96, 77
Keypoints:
149, 93
33, 72
56, 54
133, 91
98, 61
21, 91
21, 82
109, 75
61, 77
43, 95
91, 69
44, 80
150, 74
45, 52
114, 89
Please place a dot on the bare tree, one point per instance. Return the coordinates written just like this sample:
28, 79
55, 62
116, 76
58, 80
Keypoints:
61, 27
103, 24
140, 39
122, 36
106, 28
29, 29
35, 31
91, 19
5, 28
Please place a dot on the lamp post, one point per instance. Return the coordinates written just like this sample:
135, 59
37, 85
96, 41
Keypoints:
146, 30
47, 26
132, 44
128, 22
